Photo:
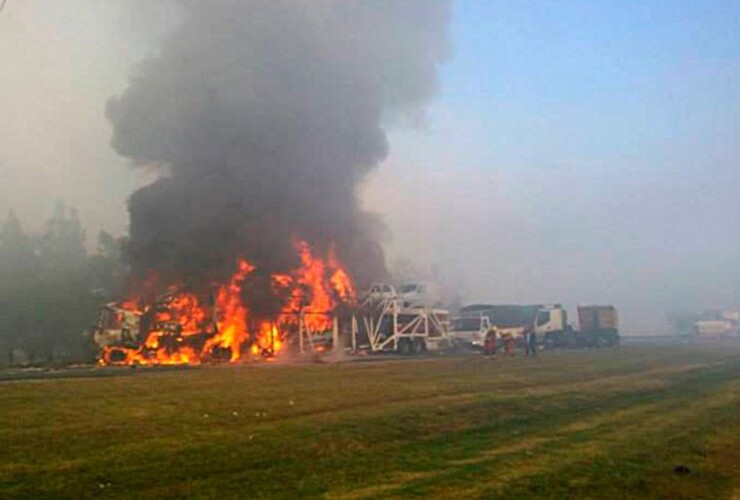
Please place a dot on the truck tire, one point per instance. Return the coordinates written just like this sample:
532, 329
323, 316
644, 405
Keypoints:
417, 346
116, 356
551, 341
404, 347
455, 348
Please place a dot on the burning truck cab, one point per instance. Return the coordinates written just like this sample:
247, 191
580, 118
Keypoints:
224, 322
117, 326
131, 333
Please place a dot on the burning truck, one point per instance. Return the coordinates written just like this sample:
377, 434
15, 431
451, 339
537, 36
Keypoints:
257, 141
184, 327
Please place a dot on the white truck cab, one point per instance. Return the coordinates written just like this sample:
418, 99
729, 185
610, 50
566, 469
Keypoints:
550, 318
116, 326
470, 331
546, 320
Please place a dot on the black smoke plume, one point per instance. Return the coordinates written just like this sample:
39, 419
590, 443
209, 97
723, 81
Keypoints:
262, 116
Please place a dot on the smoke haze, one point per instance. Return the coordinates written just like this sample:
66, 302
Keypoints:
578, 152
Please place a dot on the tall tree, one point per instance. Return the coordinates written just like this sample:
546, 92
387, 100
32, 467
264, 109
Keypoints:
17, 282
50, 288
108, 272
64, 303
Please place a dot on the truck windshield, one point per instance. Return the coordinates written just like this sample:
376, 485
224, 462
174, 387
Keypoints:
465, 324
543, 317
110, 318
408, 288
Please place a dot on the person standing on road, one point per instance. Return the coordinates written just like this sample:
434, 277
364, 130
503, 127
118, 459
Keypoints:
532, 342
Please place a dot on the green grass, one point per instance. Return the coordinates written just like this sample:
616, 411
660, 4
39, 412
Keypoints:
594, 424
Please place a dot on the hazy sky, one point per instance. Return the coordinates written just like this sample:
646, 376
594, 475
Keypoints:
61, 61
578, 152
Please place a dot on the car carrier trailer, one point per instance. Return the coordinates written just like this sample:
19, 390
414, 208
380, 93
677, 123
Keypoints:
387, 326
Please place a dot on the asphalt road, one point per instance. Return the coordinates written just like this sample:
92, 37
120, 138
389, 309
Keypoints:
95, 371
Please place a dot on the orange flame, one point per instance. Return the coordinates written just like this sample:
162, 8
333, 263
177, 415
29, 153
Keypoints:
185, 331
232, 328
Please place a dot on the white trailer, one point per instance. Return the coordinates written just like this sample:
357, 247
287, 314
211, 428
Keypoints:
718, 324
386, 326
310, 341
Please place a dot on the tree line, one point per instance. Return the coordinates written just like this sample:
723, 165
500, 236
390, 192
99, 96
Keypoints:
51, 288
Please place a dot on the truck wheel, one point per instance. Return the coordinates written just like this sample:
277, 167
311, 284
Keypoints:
417, 346
549, 342
404, 347
116, 356
221, 354
455, 348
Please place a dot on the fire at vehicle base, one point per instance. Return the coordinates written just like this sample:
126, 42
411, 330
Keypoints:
231, 321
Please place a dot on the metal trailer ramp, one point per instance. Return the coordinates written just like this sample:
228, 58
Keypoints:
386, 326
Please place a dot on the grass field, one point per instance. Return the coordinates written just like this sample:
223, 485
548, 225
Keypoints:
597, 424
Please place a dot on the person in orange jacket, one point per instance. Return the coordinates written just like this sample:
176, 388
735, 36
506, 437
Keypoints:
508, 345
490, 343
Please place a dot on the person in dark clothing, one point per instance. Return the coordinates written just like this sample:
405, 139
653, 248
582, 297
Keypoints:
530, 342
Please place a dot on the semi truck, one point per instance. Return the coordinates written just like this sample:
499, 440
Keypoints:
597, 327
717, 324
549, 322
473, 321
123, 326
